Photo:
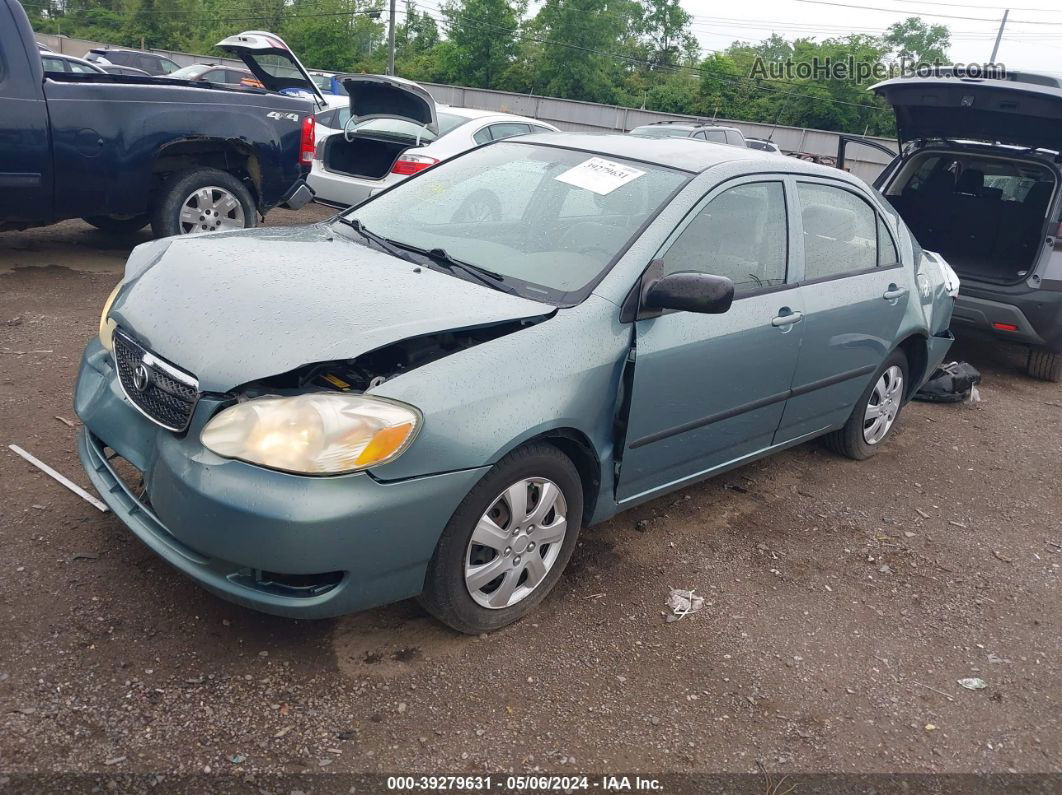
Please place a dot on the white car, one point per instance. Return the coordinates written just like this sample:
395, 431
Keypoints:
391, 129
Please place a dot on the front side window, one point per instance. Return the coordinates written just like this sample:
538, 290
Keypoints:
840, 231
516, 193
733, 138
742, 234
715, 136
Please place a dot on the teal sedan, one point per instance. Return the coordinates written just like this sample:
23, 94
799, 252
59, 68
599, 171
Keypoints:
414, 399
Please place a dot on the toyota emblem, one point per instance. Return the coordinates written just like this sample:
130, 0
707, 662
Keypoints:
141, 377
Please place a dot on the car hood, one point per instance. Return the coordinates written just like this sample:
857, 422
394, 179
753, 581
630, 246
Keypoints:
1014, 111
235, 307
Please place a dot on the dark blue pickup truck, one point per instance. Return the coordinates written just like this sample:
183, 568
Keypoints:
122, 151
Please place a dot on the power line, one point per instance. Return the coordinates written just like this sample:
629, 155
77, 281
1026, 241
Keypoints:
923, 14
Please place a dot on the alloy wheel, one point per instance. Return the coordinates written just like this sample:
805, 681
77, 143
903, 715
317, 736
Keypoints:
515, 543
209, 209
883, 406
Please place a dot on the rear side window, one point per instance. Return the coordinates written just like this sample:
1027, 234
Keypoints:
166, 66
733, 138
840, 231
482, 136
715, 136
53, 64
740, 234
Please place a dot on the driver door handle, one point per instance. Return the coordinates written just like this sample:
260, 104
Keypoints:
787, 319
894, 292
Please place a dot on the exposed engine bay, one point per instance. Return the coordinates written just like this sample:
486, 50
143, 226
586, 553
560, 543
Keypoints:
375, 367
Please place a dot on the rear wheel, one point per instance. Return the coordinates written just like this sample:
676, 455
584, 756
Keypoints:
875, 413
507, 543
1045, 365
202, 200
118, 224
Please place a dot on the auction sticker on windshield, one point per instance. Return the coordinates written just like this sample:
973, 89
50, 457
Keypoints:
599, 175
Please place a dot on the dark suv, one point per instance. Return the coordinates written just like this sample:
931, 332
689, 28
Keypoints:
714, 133
978, 180
147, 61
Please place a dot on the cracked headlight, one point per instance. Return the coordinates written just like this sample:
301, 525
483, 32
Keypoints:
322, 433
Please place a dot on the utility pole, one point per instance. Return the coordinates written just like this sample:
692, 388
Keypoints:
995, 47
391, 41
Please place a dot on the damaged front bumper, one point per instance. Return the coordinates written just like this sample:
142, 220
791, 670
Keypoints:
298, 546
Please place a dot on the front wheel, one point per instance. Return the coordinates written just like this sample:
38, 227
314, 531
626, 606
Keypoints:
507, 543
875, 413
202, 200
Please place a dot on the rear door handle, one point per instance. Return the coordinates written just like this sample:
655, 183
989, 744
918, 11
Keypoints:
787, 319
894, 292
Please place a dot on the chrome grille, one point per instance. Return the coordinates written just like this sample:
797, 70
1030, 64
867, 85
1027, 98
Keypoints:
162, 393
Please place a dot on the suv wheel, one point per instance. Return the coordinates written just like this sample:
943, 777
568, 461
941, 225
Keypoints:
202, 200
507, 543
1045, 365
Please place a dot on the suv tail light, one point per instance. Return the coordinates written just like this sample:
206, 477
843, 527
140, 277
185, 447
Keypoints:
306, 143
411, 164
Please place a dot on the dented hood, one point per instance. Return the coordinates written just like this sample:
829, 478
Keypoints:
235, 307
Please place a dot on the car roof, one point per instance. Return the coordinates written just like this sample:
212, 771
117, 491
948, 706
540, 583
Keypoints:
685, 154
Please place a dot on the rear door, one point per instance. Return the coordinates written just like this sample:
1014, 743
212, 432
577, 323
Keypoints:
709, 390
854, 292
25, 156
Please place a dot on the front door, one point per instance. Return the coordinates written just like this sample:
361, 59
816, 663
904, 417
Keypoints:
709, 390
855, 294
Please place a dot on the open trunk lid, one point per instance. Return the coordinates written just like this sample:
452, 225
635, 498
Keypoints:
386, 97
272, 62
1021, 110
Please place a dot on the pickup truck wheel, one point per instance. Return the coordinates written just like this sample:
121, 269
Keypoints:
202, 200
118, 224
1045, 365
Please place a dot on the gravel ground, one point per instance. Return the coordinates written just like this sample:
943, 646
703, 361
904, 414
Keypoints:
843, 602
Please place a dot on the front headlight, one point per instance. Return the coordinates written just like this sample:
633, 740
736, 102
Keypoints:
106, 325
322, 433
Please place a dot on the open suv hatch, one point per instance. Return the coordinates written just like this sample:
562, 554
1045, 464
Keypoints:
978, 181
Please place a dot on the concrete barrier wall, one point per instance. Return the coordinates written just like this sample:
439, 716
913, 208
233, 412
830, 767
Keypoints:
573, 115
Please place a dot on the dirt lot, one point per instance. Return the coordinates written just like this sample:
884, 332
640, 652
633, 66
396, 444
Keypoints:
844, 600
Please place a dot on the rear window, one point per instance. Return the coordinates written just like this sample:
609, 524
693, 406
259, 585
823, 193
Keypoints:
662, 131
403, 130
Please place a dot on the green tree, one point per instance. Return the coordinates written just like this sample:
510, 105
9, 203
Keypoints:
483, 35
916, 42
666, 28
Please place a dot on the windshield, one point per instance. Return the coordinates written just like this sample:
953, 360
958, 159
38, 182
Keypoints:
548, 221
323, 82
190, 72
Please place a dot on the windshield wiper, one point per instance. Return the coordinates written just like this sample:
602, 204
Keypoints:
387, 245
441, 258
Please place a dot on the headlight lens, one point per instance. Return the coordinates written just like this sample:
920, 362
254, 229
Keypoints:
316, 434
107, 326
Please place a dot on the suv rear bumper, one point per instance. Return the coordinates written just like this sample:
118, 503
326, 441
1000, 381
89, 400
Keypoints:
1029, 318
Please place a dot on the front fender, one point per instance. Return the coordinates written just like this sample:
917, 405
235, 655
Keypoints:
482, 402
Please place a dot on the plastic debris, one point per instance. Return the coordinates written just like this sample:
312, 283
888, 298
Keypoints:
973, 683
951, 383
682, 603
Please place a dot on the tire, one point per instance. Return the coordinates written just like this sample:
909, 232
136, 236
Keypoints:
118, 224
851, 441
1044, 365
219, 212
530, 470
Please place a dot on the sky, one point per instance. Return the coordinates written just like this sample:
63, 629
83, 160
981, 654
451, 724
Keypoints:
1032, 39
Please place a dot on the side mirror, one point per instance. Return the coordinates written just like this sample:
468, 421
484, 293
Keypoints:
689, 291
